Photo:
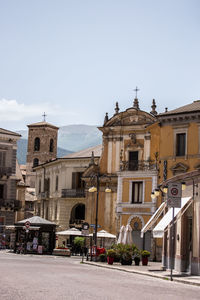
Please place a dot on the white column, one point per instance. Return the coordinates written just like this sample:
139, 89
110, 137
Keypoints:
109, 157
147, 148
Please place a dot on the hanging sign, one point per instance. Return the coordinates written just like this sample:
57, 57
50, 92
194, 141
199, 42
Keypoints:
27, 224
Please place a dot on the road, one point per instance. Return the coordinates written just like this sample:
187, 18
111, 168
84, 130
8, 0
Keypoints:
48, 277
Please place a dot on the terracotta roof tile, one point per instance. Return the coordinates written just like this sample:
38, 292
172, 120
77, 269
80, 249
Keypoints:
192, 107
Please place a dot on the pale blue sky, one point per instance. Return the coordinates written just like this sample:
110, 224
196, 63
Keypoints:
75, 58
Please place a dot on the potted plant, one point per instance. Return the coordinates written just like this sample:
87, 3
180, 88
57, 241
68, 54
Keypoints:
126, 258
145, 254
136, 257
110, 256
102, 257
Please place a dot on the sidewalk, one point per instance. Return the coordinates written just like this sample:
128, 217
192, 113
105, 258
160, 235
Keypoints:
154, 269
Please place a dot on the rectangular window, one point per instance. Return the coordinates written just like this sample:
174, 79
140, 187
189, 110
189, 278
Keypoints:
56, 187
133, 161
2, 158
1, 191
77, 183
180, 144
137, 192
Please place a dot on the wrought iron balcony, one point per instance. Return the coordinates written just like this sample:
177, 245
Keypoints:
10, 204
73, 222
43, 195
138, 165
73, 193
7, 171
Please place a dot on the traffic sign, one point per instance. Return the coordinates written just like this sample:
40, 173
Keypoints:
93, 225
174, 194
85, 226
174, 190
174, 202
27, 224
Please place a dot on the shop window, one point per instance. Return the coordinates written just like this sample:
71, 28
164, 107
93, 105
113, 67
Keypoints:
37, 144
137, 192
180, 144
51, 145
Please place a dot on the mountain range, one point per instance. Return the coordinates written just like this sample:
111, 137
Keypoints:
71, 138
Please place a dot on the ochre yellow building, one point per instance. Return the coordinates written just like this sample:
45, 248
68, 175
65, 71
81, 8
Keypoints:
129, 166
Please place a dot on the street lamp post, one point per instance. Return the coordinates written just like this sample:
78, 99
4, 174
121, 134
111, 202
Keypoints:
92, 190
96, 218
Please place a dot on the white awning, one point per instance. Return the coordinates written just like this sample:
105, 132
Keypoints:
153, 219
158, 231
71, 231
104, 234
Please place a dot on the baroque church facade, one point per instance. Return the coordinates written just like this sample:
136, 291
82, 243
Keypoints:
140, 153
127, 164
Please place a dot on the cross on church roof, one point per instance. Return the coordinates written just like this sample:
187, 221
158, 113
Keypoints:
136, 90
44, 115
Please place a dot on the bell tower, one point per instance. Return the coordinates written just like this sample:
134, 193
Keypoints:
42, 147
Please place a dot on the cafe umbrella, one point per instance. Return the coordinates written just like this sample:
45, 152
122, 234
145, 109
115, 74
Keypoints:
121, 235
128, 239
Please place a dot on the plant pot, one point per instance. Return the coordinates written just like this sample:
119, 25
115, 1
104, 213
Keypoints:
144, 261
110, 260
137, 261
126, 262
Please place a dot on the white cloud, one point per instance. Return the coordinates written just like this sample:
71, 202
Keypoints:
11, 110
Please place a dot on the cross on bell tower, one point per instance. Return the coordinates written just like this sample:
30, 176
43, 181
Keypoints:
136, 102
44, 116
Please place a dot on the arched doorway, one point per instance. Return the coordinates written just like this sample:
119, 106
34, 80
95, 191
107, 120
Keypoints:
137, 223
77, 215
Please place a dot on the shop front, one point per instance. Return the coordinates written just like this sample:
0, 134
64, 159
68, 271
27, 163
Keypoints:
34, 235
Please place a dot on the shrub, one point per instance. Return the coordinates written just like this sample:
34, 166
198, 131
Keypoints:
111, 253
102, 257
145, 253
78, 244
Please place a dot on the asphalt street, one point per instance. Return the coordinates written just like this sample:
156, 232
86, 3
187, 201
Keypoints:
49, 277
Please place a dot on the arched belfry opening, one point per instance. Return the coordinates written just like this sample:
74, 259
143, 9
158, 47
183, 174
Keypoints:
37, 144
77, 214
35, 162
51, 145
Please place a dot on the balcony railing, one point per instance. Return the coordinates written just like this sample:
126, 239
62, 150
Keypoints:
73, 222
7, 171
43, 195
73, 193
10, 204
138, 165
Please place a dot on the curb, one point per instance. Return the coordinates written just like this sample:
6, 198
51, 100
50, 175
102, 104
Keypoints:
163, 277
